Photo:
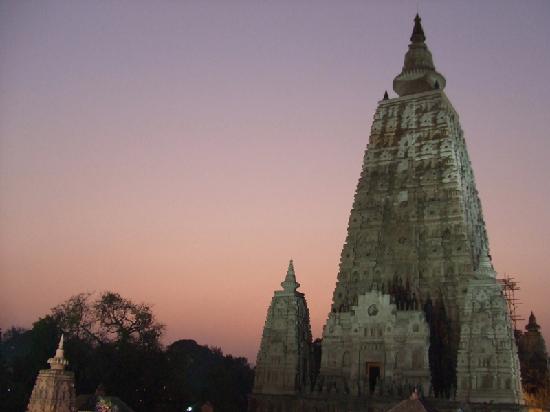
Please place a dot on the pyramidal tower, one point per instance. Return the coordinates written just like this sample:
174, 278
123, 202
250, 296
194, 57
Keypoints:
54, 388
416, 302
416, 233
282, 366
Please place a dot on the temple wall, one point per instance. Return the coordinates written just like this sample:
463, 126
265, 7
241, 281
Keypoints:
374, 348
416, 215
53, 392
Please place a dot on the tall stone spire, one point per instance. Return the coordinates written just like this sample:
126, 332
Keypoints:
416, 230
284, 358
290, 284
418, 74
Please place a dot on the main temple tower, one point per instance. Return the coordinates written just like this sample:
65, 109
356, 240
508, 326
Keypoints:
416, 233
416, 225
416, 303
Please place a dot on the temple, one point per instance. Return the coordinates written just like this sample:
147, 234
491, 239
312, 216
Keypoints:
283, 362
535, 368
416, 305
54, 388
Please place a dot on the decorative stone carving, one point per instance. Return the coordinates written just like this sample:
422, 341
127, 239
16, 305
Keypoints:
374, 346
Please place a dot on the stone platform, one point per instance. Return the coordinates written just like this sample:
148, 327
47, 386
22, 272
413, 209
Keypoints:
346, 403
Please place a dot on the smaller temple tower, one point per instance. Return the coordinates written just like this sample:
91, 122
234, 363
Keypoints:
533, 357
488, 368
54, 388
283, 363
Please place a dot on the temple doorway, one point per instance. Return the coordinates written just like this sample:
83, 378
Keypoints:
373, 372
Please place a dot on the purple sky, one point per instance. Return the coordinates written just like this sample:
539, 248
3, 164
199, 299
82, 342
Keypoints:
181, 152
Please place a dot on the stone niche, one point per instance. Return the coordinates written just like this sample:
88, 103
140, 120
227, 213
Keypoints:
375, 349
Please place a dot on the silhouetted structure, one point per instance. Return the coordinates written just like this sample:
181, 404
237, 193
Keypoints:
533, 358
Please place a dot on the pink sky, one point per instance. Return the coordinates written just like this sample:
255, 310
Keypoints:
181, 152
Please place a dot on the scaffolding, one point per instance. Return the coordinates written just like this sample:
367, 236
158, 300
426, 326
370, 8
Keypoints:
509, 289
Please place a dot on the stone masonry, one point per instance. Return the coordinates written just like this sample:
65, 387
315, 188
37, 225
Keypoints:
375, 348
283, 362
488, 366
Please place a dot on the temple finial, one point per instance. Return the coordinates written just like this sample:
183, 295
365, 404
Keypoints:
58, 362
418, 32
386, 97
532, 326
290, 284
418, 74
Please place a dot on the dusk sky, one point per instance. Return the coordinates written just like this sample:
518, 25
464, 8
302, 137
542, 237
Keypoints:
181, 152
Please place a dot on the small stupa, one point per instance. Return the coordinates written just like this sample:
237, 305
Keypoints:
54, 388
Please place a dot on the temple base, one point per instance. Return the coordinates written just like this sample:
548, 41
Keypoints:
346, 403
